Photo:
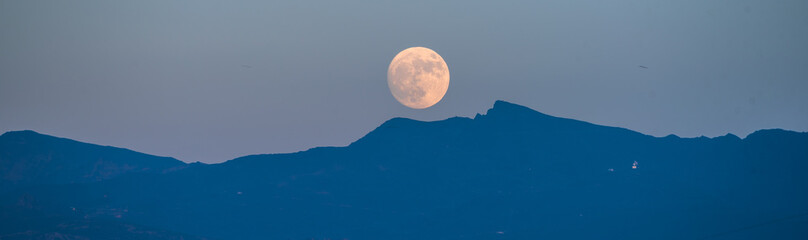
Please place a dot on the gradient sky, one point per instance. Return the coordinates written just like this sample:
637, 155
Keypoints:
213, 80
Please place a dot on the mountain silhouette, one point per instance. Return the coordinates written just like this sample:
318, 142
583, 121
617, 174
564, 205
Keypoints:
28, 158
512, 173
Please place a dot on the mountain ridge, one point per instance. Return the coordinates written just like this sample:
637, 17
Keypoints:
29, 158
512, 111
511, 173
500, 108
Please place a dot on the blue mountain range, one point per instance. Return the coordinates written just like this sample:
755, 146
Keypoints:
511, 173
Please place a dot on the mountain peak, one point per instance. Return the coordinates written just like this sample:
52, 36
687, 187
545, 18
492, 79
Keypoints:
504, 110
503, 106
20, 133
31, 137
503, 103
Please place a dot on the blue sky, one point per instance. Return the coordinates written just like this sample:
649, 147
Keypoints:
213, 80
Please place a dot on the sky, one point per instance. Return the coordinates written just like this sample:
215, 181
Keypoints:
211, 81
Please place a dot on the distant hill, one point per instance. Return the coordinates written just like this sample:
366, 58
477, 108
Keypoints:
512, 173
28, 158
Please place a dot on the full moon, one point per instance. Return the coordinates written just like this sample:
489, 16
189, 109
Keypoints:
418, 77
